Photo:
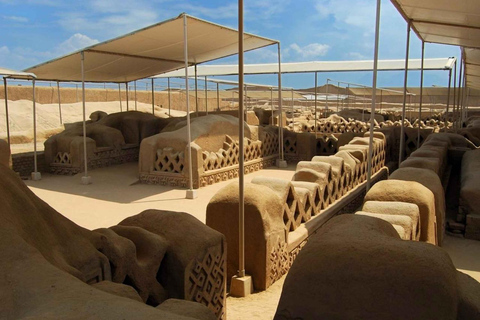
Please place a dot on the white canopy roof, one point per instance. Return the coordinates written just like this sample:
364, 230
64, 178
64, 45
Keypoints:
448, 22
235, 83
472, 67
314, 66
17, 74
155, 49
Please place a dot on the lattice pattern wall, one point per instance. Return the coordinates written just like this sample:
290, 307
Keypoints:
168, 160
206, 282
228, 155
63, 163
212, 167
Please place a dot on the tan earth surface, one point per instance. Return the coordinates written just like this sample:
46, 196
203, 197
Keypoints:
116, 194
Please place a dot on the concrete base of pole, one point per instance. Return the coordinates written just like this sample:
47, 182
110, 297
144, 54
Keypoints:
86, 180
36, 176
241, 286
281, 163
191, 194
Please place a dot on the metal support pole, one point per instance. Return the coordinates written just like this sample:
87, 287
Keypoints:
315, 114
421, 93
326, 98
135, 88
338, 95
374, 96
196, 91
241, 196
363, 105
466, 104
218, 97
35, 161
206, 96
5, 87
402, 128
445, 119
457, 113
280, 102
454, 93
85, 178
169, 97
153, 96
190, 192
126, 93
347, 93
120, 97
293, 114
59, 103
271, 103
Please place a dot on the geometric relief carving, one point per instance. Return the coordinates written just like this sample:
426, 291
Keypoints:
326, 144
62, 158
169, 161
206, 282
269, 144
290, 145
228, 155
279, 261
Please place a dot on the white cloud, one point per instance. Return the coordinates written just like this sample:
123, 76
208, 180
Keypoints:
74, 43
108, 19
310, 51
358, 56
359, 13
15, 18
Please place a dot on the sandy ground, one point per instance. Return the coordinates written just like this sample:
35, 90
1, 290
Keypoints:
116, 194
20, 114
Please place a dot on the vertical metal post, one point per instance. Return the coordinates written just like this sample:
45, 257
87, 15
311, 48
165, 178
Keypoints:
454, 93
445, 119
59, 103
169, 97
374, 96
85, 158
190, 193
280, 102
126, 93
135, 88
293, 114
218, 97
196, 90
315, 114
347, 93
466, 104
153, 96
338, 95
363, 104
206, 96
402, 128
326, 98
457, 113
241, 215
35, 168
120, 97
271, 104
5, 87
421, 93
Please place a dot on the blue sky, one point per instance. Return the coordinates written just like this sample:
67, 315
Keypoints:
34, 31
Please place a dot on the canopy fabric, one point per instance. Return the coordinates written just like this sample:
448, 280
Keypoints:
146, 52
235, 83
472, 67
17, 74
314, 66
445, 22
